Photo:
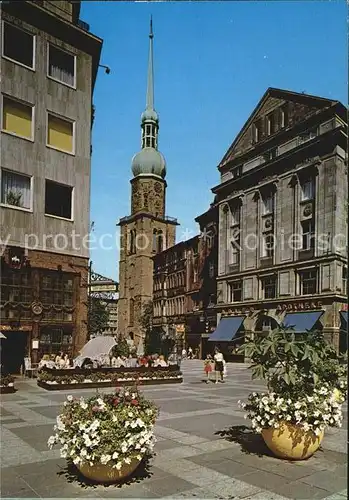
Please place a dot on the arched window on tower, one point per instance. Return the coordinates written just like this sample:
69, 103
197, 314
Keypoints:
154, 240
149, 136
132, 240
131, 312
160, 242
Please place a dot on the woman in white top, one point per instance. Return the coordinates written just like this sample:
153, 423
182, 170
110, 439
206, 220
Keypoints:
219, 365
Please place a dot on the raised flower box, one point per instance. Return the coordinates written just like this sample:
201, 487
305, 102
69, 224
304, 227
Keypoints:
82, 378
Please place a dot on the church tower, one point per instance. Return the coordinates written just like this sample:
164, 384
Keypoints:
147, 230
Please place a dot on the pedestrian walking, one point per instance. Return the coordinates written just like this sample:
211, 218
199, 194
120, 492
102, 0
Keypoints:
219, 365
208, 367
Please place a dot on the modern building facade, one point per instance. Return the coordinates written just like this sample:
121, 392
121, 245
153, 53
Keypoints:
147, 230
283, 219
49, 64
105, 290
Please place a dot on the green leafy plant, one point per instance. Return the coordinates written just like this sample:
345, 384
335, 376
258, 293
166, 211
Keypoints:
291, 363
14, 198
98, 316
108, 429
121, 348
301, 372
6, 380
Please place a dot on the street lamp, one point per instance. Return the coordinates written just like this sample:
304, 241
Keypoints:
107, 69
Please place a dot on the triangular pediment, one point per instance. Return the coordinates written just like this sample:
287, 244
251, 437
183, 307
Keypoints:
298, 106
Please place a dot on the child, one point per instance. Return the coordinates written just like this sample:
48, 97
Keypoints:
208, 367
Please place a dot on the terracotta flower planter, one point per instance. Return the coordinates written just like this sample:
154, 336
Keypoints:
106, 473
291, 441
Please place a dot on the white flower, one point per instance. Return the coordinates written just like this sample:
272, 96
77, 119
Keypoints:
115, 455
127, 460
51, 441
70, 398
118, 465
105, 459
83, 405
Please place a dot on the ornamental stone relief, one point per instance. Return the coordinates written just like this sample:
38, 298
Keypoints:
308, 210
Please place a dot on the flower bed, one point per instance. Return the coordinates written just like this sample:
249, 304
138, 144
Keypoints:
51, 379
106, 436
7, 384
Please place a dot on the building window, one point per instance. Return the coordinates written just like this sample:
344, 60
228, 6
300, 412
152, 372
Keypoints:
271, 124
307, 190
235, 216
160, 242
267, 245
236, 172
58, 200
154, 240
268, 204
132, 248
60, 134
211, 270
132, 312
308, 234
283, 117
236, 291
344, 279
235, 252
269, 286
57, 290
15, 189
257, 131
309, 282
17, 118
16, 287
18, 45
54, 340
61, 66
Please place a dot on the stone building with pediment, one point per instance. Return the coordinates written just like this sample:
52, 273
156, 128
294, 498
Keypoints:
147, 231
282, 201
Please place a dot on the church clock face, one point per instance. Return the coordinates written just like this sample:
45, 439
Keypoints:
157, 187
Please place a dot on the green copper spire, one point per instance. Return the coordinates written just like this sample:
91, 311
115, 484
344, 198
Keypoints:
149, 161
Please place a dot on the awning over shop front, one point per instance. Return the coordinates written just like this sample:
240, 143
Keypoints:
302, 322
227, 329
344, 316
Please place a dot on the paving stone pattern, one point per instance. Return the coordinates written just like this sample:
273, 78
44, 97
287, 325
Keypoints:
204, 449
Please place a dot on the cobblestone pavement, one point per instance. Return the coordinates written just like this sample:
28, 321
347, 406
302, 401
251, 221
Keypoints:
204, 449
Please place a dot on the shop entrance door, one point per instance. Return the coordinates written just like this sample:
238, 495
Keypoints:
13, 350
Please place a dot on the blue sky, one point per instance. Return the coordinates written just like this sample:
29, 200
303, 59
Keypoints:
213, 62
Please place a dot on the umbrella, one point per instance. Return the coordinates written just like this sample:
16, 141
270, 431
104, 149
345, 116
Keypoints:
97, 347
2, 336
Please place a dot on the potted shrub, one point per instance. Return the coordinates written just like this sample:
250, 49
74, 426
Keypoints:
107, 435
301, 374
7, 383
